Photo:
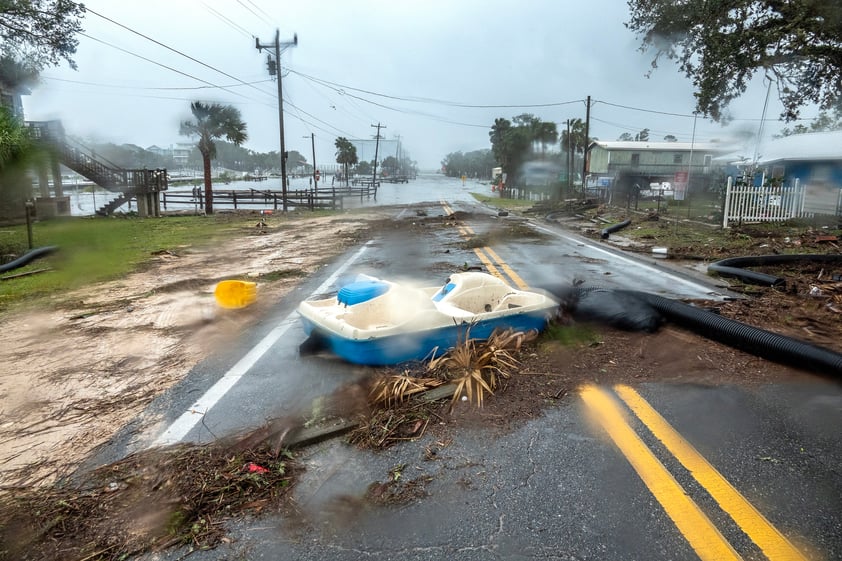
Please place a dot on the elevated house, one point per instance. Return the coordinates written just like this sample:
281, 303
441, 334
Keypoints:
15, 191
179, 152
10, 98
634, 167
807, 165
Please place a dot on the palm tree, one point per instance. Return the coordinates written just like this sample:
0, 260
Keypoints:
213, 121
499, 141
546, 133
346, 154
574, 142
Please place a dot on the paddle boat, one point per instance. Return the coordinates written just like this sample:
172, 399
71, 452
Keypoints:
378, 322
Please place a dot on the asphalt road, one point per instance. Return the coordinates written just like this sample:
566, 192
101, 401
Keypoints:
656, 472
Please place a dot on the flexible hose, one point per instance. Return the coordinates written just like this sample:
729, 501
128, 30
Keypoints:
27, 257
733, 266
753, 340
614, 228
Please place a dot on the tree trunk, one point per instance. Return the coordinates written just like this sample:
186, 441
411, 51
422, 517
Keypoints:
206, 162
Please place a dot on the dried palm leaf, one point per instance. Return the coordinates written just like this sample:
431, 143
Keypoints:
476, 366
397, 388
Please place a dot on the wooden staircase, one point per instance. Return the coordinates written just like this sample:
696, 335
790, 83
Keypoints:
128, 183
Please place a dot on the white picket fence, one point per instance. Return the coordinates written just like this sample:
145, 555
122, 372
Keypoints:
762, 204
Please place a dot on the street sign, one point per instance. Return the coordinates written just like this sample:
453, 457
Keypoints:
318, 175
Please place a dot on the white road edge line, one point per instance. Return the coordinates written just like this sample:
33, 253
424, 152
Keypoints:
190, 418
695, 286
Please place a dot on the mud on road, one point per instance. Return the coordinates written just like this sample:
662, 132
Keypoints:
76, 372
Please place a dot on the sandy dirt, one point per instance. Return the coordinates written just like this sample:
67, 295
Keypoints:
75, 373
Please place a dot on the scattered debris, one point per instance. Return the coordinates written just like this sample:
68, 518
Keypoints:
180, 495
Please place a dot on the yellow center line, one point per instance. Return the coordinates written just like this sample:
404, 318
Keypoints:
489, 259
696, 527
774, 545
503, 265
488, 264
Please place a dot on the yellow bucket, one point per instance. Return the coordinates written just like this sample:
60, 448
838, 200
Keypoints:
235, 293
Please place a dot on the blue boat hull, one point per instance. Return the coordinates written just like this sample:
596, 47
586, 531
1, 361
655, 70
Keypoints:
420, 345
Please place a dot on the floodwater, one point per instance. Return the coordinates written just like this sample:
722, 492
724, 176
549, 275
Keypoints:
427, 187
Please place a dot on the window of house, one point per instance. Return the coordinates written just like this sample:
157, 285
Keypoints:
777, 172
677, 158
708, 159
635, 160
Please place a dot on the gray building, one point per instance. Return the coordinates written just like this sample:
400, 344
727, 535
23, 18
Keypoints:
675, 166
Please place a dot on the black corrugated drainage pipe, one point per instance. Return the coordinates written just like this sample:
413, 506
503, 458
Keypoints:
614, 228
733, 266
27, 257
753, 340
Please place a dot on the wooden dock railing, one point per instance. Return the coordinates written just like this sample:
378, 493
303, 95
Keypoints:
331, 198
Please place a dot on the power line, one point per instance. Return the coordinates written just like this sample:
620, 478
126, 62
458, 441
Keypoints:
127, 28
341, 132
404, 111
240, 2
173, 88
308, 123
432, 100
643, 110
690, 116
124, 94
333, 104
632, 128
232, 24
159, 64
259, 9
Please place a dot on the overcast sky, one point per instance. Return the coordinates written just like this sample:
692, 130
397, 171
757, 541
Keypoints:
436, 52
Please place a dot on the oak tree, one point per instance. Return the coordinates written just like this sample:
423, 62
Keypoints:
721, 45
40, 33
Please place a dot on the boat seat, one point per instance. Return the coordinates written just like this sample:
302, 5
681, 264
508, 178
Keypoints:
511, 301
454, 312
479, 300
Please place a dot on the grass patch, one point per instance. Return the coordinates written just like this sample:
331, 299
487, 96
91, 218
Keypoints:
282, 274
570, 335
100, 249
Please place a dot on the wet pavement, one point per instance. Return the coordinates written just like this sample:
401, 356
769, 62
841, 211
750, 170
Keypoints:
567, 485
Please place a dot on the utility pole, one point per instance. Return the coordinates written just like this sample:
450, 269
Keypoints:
398, 154
378, 126
569, 157
585, 153
275, 69
315, 171
312, 138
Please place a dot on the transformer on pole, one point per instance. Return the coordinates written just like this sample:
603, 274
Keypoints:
275, 69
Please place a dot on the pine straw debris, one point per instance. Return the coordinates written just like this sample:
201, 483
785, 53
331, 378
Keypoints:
401, 405
151, 500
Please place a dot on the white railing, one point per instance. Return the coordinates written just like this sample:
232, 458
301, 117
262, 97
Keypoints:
746, 203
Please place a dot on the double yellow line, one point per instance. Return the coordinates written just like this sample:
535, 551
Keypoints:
495, 265
696, 527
